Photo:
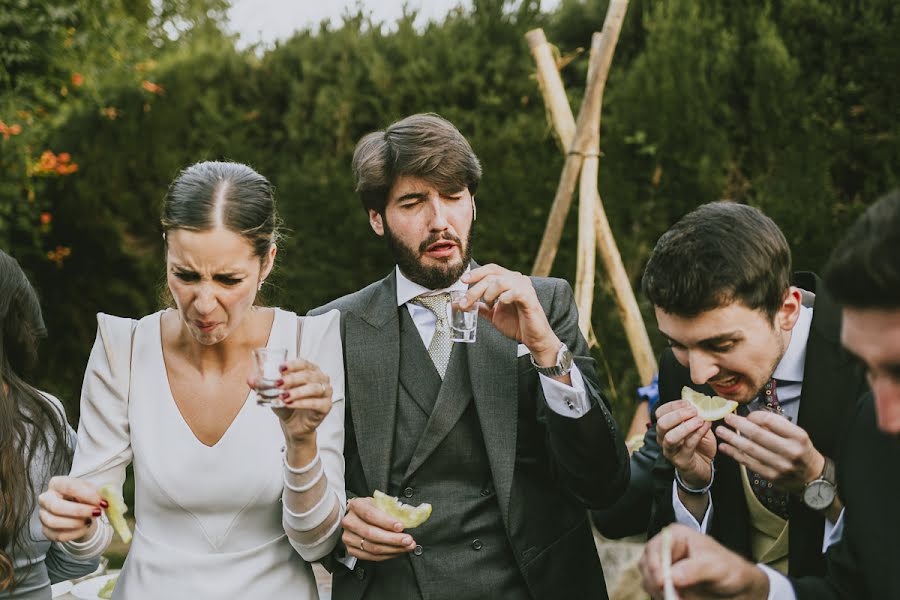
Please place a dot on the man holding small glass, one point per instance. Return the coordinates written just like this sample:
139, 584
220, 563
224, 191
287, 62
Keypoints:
504, 432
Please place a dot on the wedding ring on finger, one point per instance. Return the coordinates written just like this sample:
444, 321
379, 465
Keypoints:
362, 544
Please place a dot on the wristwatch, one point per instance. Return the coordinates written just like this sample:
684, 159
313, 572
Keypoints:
563, 363
820, 492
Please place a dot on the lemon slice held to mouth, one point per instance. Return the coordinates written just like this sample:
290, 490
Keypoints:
409, 516
710, 408
116, 510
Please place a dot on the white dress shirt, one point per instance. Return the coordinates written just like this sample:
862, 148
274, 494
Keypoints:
568, 401
789, 378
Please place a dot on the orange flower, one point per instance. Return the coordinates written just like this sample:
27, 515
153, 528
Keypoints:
77, 79
66, 169
64, 157
59, 255
153, 88
15, 129
46, 218
47, 161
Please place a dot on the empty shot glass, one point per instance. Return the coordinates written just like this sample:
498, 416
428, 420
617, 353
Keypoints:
463, 323
267, 362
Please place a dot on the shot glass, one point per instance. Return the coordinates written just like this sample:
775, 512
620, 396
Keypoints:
267, 361
463, 323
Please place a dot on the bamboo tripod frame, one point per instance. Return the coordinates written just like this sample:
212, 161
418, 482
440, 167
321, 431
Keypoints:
581, 138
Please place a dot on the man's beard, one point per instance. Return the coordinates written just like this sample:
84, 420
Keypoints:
433, 278
760, 393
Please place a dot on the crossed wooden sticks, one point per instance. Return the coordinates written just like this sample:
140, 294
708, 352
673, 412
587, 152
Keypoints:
582, 141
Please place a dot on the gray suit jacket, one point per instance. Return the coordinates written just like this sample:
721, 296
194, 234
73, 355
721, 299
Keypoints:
546, 468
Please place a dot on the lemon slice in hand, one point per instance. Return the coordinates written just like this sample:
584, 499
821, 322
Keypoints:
409, 516
116, 511
709, 408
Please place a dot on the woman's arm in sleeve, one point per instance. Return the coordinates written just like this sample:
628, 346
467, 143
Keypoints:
314, 498
60, 565
104, 440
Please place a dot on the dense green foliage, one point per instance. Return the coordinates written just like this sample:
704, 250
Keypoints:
789, 105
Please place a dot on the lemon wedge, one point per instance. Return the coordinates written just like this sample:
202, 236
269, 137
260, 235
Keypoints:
409, 516
116, 511
710, 408
107, 589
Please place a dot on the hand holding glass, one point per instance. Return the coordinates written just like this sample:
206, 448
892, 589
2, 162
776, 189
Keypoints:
463, 323
267, 362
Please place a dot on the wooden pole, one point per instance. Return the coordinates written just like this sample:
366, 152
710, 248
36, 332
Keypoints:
632, 321
562, 202
554, 95
635, 330
586, 264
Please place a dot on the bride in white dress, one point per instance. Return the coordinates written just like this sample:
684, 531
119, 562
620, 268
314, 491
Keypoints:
231, 500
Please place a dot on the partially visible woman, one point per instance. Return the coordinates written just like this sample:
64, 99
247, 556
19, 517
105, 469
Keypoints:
231, 500
35, 444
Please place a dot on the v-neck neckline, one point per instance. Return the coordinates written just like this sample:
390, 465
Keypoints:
171, 394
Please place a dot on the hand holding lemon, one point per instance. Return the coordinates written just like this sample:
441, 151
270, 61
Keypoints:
374, 527
683, 430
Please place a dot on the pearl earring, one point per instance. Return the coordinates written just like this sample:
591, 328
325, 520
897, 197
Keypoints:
259, 287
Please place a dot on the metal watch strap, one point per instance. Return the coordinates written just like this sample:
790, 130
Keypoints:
559, 369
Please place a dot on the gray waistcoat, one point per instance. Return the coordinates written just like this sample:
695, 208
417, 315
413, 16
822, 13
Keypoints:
463, 549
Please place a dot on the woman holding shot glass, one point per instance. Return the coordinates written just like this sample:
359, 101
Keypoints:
231, 500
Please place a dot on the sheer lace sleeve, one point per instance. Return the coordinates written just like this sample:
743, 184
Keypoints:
314, 497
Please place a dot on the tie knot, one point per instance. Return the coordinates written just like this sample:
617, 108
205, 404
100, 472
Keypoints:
436, 303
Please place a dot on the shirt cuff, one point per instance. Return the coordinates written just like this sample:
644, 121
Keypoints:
833, 532
684, 516
348, 561
566, 400
779, 586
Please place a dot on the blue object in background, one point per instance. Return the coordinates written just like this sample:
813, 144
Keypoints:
650, 393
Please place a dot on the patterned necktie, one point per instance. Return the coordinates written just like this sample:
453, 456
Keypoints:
440, 346
770, 497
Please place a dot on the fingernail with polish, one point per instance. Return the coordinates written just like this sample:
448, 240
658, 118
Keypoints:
104, 504
285, 395
279, 383
282, 368
97, 512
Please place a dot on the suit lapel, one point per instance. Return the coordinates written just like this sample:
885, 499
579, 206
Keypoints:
373, 358
451, 403
418, 375
495, 386
830, 381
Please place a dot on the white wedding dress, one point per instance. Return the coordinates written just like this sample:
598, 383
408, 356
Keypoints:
210, 520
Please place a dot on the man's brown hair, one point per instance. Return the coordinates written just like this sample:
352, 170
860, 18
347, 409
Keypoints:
422, 145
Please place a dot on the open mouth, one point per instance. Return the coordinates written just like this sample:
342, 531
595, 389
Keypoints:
726, 386
441, 249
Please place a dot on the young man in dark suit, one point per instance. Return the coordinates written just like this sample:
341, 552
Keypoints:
739, 328
864, 276
509, 437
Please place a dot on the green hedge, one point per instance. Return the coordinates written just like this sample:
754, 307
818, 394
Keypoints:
788, 105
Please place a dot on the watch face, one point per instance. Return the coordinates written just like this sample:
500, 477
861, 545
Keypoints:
819, 494
565, 358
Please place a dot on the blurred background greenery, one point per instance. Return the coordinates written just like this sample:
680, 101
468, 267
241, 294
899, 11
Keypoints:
789, 105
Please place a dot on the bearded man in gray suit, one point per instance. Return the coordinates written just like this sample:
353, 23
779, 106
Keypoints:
509, 437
